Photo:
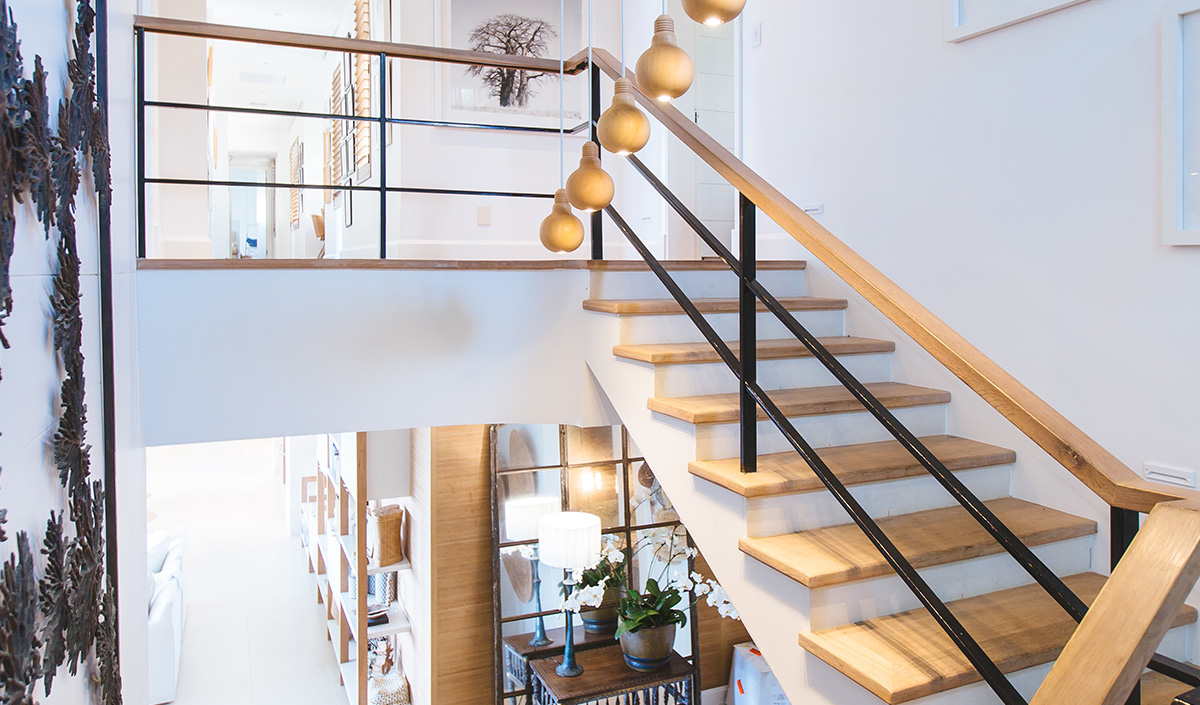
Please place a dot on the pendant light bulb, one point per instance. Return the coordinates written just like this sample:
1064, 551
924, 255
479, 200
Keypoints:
665, 70
590, 188
713, 12
561, 231
623, 128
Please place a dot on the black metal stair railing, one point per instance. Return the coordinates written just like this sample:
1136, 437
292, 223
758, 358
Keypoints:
751, 291
942, 614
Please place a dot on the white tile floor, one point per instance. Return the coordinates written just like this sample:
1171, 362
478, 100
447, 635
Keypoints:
255, 633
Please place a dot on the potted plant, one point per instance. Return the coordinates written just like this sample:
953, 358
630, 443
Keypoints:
648, 618
608, 574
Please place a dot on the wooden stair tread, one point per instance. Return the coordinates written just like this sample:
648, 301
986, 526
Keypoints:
905, 656
693, 353
1158, 689
691, 265
663, 307
805, 401
787, 473
839, 554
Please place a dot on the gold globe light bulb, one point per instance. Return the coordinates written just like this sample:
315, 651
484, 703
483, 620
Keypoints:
590, 188
665, 70
713, 12
561, 231
623, 128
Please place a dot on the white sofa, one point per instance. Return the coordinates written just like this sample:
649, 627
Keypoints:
167, 612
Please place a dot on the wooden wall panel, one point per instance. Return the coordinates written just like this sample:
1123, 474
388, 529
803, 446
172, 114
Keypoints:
415, 585
461, 525
717, 638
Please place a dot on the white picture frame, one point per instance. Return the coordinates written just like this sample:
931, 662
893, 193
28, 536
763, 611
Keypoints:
961, 25
1179, 109
545, 113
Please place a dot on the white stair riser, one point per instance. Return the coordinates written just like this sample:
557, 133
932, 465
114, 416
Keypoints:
715, 441
1026, 681
696, 284
772, 516
678, 328
717, 378
847, 603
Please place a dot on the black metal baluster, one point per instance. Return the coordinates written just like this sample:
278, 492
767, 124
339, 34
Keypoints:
1123, 526
383, 193
748, 332
139, 47
594, 120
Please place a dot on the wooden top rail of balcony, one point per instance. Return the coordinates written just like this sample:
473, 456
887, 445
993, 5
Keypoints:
205, 30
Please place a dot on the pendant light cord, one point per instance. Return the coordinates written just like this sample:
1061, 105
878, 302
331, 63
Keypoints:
562, 65
622, 38
591, 67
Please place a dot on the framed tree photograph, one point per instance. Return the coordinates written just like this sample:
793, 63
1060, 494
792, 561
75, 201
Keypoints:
490, 95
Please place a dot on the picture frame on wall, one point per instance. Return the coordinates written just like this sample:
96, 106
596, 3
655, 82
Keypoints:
486, 95
966, 19
1181, 123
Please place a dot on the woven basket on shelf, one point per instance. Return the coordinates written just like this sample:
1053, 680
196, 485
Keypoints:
385, 535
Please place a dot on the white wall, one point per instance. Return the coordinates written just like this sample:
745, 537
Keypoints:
1010, 183
29, 486
254, 354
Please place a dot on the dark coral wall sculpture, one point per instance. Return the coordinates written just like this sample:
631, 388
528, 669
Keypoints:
68, 615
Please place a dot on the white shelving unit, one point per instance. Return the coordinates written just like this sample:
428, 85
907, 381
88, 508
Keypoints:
335, 524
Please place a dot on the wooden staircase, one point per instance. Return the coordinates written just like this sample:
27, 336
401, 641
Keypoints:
861, 619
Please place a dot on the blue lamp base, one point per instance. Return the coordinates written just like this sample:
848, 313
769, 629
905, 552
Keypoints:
539, 629
569, 668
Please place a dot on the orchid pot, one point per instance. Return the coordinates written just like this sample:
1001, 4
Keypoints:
603, 620
648, 649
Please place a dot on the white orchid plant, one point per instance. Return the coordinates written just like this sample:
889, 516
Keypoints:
658, 603
607, 572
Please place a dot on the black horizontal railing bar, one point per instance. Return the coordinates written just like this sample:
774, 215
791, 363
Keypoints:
1181, 671
484, 126
275, 112
924, 593
257, 111
354, 187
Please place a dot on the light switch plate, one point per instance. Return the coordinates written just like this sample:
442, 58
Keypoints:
485, 215
756, 35
1167, 475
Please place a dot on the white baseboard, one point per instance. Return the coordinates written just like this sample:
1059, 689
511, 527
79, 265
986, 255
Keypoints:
713, 696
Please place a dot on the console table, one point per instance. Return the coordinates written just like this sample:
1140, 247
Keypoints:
518, 654
606, 676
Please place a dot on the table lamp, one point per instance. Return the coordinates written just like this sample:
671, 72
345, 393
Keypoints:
571, 541
521, 517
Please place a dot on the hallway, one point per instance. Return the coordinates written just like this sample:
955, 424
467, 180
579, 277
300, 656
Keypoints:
254, 631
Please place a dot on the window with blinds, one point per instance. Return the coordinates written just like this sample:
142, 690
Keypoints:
350, 94
296, 176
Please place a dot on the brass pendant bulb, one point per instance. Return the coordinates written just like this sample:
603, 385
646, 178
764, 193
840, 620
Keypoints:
590, 188
561, 231
665, 70
623, 128
713, 12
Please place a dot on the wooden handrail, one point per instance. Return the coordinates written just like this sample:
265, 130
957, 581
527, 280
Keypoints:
205, 30
1109, 651
1098, 469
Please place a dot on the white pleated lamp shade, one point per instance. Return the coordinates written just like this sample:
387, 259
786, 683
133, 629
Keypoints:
521, 516
569, 540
